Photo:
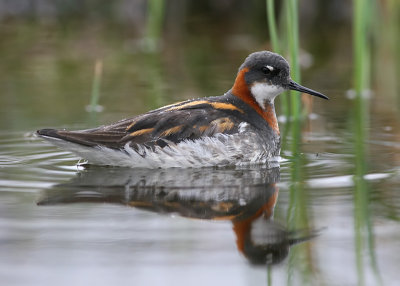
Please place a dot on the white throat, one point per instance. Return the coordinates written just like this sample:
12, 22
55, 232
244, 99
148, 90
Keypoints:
263, 92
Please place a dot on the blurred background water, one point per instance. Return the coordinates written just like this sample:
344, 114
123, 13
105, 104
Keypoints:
328, 215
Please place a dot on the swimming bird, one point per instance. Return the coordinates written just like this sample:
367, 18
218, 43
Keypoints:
237, 128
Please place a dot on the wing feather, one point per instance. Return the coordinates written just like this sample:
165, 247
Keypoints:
184, 121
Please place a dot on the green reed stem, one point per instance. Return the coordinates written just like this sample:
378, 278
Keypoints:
293, 41
272, 25
155, 17
360, 190
300, 257
394, 5
364, 234
362, 25
298, 210
269, 275
95, 95
270, 4
360, 45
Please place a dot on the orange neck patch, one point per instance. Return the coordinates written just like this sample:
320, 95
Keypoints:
242, 91
271, 118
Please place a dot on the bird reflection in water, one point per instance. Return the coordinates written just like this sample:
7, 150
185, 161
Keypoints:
246, 197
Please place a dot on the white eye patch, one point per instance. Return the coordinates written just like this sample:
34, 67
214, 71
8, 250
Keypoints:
271, 68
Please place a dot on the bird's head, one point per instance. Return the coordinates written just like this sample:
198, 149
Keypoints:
265, 75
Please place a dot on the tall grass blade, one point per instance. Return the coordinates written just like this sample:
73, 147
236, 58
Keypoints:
362, 26
293, 43
95, 95
273, 33
270, 4
155, 18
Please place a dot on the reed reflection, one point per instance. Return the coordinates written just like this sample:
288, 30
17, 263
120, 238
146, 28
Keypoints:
245, 197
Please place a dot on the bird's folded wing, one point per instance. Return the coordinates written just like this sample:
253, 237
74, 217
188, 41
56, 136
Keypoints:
188, 121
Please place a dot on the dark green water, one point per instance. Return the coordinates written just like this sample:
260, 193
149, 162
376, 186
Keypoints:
64, 224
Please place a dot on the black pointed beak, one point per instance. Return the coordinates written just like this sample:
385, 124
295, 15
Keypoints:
295, 86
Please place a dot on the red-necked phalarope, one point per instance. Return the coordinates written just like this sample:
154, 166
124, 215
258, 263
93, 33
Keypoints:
237, 128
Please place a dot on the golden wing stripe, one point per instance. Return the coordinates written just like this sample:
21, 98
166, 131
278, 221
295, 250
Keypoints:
216, 105
192, 103
141, 132
171, 130
222, 105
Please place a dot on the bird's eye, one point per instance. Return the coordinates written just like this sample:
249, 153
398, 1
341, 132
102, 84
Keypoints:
270, 71
267, 70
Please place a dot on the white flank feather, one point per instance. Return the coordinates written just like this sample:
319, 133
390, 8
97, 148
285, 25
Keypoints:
221, 150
